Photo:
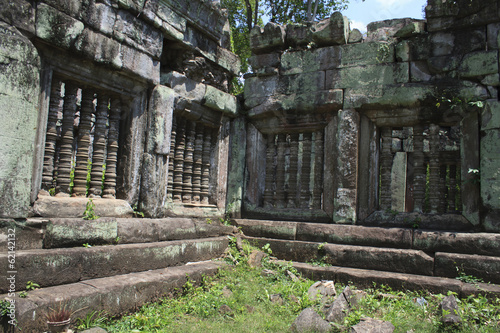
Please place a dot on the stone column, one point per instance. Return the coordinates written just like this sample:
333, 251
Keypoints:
280, 172
180, 146
294, 162
83, 144
55, 107
419, 171
270, 154
112, 158
305, 174
347, 167
318, 170
66, 151
435, 193
99, 153
385, 169
171, 156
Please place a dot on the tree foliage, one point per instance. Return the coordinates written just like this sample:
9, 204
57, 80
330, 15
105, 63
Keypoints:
245, 14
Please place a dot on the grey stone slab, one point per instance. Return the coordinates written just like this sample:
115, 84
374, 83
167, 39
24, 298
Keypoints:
468, 243
482, 267
267, 229
115, 295
68, 232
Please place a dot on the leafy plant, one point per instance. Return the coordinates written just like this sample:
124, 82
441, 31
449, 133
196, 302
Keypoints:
92, 319
4, 307
267, 249
462, 276
89, 213
87, 245
137, 212
23, 294
30, 285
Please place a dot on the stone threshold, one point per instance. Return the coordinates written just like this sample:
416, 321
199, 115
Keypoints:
365, 278
116, 295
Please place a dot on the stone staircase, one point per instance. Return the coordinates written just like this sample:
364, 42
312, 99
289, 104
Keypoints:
109, 264
399, 257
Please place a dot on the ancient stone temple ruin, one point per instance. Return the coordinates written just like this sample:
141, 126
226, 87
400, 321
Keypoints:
126, 105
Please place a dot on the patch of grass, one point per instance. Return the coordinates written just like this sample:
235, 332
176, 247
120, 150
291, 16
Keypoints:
200, 308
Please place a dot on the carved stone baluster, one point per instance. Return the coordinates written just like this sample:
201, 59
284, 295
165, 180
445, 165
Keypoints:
270, 168
318, 170
187, 181
171, 156
443, 188
66, 151
197, 163
82, 153
386, 169
180, 146
205, 165
435, 192
419, 170
452, 193
294, 169
55, 106
112, 158
99, 151
305, 175
280, 172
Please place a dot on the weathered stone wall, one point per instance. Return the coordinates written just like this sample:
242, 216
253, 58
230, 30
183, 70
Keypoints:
143, 52
404, 74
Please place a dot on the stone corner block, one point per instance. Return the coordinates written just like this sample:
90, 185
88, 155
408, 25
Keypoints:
270, 38
332, 31
220, 101
55, 27
161, 106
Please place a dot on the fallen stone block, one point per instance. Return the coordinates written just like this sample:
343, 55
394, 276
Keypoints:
309, 321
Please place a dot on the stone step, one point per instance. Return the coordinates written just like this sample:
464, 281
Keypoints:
52, 267
38, 233
115, 295
407, 261
365, 278
487, 244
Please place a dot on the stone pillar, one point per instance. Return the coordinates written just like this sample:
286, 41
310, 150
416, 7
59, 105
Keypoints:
173, 137
318, 170
99, 152
270, 167
66, 151
236, 174
305, 174
197, 163
294, 162
205, 166
187, 181
83, 144
49, 159
280, 172
385, 169
112, 158
179, 160
469, 150
435, 193
419, 171
347, 167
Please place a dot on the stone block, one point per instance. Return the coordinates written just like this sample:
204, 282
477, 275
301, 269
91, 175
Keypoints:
490, 168
161, 107
492, 32
260, 87
272, 37
310, 61
403, 51
479, 64
56, 27
355, 36
29, 233
366, 325
353, 234
460, 14
420, 72
185, 87
302, 83
228, 60
100, 48
268, 229
490, 115
409, 30
406, 95
376, 75
385, 30
19, 96
366, 54
264, 60
67, 232
443, 64
298, 34
136, 33
332, 31
164, 12
141, 64
483, 267
101, 17
47, 206
20, 14
443, 43
457, 242
220, 101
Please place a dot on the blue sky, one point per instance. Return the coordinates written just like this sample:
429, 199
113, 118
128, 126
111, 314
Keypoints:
361, 13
